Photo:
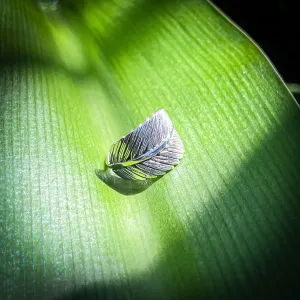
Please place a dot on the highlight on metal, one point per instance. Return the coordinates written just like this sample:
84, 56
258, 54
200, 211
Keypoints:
150, 150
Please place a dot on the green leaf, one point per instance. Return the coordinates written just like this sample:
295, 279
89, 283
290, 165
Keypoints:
224, 223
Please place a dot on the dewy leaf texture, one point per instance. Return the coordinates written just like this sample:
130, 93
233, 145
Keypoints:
224, 224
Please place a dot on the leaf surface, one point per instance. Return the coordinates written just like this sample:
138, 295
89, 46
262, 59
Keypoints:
224, 223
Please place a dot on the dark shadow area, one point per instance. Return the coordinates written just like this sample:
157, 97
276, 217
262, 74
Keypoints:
28, 42
274, 26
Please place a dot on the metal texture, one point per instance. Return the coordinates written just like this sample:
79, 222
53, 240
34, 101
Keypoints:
150, 150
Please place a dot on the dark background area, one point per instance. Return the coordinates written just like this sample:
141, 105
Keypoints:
274, 26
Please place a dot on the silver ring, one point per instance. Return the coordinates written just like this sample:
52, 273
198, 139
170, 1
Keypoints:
149, 151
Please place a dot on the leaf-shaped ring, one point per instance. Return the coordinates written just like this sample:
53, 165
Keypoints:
148, 151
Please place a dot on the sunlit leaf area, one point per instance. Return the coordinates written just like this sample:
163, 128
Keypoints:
76, 76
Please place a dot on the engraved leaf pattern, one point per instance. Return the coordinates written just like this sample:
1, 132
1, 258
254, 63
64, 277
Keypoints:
150, 150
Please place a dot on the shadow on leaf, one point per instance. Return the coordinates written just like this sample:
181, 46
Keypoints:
122, 186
